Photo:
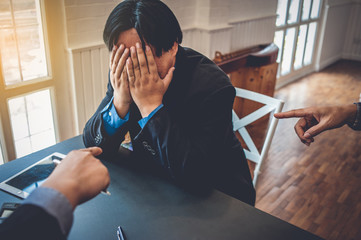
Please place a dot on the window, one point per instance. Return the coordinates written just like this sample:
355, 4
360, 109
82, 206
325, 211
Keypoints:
32, 122
296, 30
1, 155
26, 86
21, 39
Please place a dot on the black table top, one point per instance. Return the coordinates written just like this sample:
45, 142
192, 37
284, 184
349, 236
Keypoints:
149, 207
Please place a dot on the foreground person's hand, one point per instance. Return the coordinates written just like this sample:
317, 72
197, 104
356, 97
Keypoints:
80, 176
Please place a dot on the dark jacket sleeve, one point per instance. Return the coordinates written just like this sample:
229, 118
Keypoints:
94, 133
30, 222
357, 124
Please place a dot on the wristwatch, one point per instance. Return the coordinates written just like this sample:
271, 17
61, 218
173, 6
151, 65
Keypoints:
357, 123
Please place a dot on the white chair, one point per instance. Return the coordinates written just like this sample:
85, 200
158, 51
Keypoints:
271, 106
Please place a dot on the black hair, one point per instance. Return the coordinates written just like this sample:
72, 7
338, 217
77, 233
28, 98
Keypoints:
154, 22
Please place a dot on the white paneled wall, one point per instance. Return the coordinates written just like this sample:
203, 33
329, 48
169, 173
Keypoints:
341, 37
336, 16
184, 10
85, 20
251, 9
220, 40
197, 38
233, 36
352, 48
244, 35
90, 78
208, 41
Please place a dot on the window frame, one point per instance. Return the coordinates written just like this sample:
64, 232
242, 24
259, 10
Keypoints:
24, 88
283, 79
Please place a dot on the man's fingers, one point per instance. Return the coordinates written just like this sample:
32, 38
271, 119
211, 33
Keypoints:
141, 59
114, 50
95, 151
130, 72
299, 128
124, 76
121, 63
315, 130
291, 114
116, 58
135, 63
151, 63
168, 78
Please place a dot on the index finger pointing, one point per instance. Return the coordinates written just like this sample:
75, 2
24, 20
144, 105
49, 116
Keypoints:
291, 114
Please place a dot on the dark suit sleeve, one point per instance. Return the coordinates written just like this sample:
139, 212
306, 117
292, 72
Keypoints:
30, 222
357, 124
94, 133
189, 151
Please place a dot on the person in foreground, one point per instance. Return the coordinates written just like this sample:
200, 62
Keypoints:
175, 103
48, 211
315, 120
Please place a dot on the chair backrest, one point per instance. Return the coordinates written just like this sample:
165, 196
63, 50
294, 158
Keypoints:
271, 106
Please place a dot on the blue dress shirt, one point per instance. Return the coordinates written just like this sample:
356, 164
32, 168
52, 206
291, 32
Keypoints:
112, 121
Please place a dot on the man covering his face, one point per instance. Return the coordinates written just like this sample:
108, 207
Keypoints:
175, 103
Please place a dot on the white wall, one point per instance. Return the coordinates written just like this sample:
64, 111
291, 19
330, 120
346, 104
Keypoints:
352, 45
341, 36
85, 20
251, 9
184, 10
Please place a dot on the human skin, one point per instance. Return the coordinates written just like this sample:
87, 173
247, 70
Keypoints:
162, 68
146, 86
315, 120
80, 176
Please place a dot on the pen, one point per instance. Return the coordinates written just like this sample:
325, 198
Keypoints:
120, 234
105, 192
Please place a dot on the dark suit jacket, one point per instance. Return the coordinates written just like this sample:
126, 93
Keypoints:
30, 222
191, 137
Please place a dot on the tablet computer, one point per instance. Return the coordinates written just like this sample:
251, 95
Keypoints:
26, 181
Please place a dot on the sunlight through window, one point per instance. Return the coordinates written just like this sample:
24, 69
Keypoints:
287, 51
301, 41
1, 155
21, 41
296, 34
27, 86
32, 122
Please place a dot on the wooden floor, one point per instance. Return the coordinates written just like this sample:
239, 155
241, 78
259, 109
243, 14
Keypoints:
317, 188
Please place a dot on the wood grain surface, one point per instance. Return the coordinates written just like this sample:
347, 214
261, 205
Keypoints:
317, 188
